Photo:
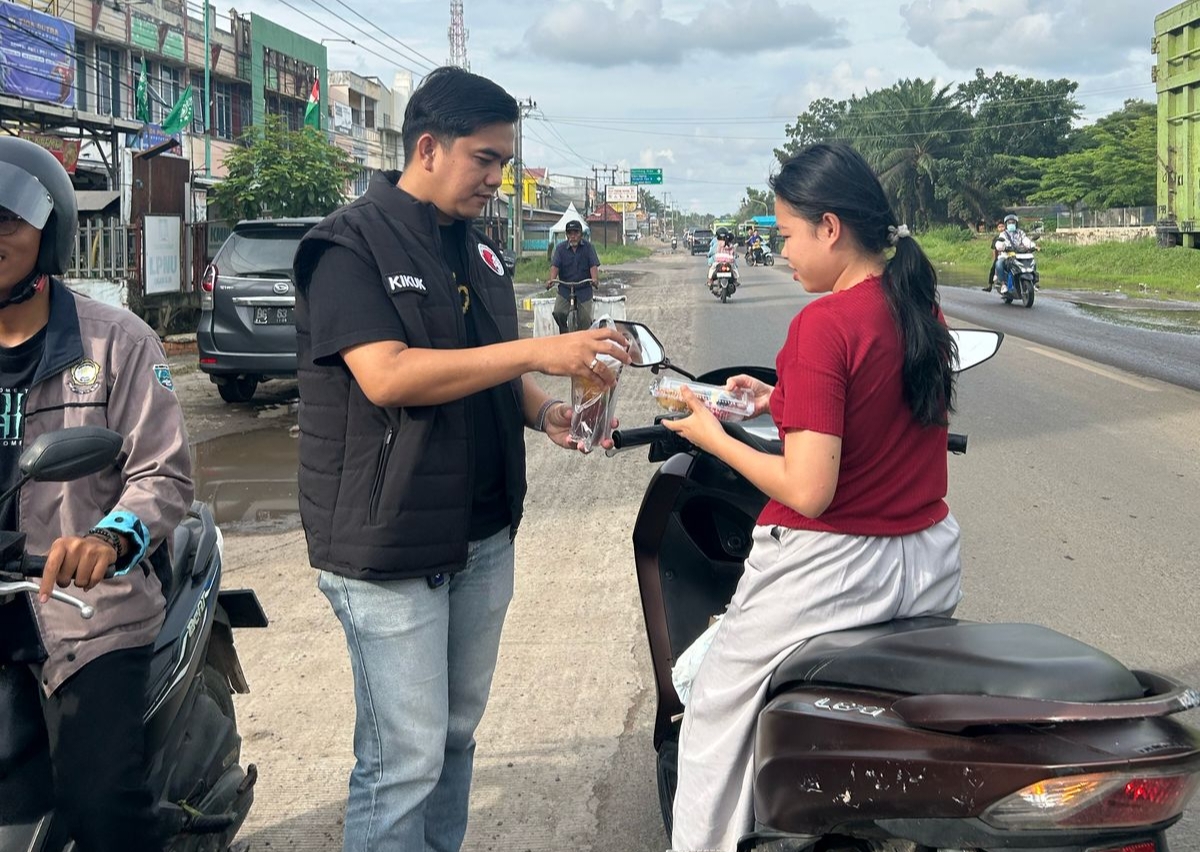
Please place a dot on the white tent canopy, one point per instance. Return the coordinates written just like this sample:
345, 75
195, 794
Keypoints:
560, 227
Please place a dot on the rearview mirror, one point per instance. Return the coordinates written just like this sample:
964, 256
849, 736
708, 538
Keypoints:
69, 454
975, 345
644, 348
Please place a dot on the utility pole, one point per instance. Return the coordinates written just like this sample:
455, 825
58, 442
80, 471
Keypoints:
207, 95
523, 107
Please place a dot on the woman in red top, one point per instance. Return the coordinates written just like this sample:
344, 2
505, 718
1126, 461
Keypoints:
857, 530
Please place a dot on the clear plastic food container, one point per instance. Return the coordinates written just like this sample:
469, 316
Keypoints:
728, 405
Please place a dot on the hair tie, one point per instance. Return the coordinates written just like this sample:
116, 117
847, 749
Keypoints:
896, 233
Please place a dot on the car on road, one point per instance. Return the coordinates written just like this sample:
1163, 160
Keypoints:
247, 329
701, 239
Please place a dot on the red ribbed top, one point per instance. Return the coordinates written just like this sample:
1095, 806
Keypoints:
840, 374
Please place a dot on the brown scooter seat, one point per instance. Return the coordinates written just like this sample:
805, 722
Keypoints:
931, 656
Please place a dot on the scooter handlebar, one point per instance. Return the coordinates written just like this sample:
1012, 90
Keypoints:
31, 565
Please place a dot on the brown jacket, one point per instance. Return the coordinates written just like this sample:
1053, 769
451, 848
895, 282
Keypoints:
102, 366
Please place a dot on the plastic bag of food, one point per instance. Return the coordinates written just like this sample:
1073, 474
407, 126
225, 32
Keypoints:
593, 403
727, 405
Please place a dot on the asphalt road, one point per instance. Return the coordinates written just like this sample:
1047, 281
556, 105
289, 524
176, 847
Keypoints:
1077, 500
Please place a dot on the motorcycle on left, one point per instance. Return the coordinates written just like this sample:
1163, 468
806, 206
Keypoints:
193, 745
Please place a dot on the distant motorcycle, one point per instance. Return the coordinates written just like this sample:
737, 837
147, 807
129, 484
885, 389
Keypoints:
1020, 276
760, 255
723, 280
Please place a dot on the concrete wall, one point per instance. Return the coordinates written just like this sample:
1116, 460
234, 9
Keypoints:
1092, 236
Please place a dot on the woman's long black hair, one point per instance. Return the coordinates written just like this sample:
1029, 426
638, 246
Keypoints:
836, 179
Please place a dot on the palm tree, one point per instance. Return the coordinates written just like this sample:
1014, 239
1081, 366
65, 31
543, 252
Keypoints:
910, 133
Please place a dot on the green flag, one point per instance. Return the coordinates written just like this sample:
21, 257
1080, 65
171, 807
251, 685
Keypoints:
143, 96
312, 112
180, 117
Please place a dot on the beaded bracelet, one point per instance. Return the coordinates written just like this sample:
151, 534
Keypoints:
540, 422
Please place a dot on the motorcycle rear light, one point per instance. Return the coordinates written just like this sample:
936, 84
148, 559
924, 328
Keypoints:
1095, 801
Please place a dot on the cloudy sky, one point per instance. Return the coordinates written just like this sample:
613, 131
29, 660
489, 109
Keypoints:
704, 88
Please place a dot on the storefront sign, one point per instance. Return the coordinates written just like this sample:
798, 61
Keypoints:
66, 151
161, 270
37, 58
157, 38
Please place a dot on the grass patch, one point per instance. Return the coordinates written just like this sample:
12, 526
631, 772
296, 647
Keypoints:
1139, 268
534, 270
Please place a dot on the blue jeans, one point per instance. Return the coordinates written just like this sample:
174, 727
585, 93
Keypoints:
1001, 272
422, 660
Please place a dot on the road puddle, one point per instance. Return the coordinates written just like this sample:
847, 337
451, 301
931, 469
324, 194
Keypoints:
1180, 321
249, 480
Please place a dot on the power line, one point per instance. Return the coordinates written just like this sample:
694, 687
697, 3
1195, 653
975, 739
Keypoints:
326, 26
416, 53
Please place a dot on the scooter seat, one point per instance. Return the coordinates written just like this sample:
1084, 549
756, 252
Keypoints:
931, 656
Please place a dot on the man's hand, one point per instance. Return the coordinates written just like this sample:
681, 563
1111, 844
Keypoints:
576, 354
83, 559
558, 427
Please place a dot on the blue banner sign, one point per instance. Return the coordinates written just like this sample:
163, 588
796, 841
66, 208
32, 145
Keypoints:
37, 56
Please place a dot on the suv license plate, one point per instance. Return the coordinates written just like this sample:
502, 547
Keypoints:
273, 316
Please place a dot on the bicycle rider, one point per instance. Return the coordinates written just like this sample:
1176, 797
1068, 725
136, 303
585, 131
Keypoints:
574, 259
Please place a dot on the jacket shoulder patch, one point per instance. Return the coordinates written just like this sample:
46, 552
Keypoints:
400, 283
162, 373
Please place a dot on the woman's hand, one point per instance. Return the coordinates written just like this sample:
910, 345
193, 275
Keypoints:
760, 391
701, 427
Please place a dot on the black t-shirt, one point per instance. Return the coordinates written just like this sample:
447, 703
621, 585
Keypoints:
19, 640
489, 502
337, 322
17, 367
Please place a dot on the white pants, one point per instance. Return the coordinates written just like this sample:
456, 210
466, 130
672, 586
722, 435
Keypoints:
796, 585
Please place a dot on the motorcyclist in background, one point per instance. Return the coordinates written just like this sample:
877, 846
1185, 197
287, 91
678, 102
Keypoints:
721, 250
1012, 238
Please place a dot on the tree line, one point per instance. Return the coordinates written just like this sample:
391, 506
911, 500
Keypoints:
965, 153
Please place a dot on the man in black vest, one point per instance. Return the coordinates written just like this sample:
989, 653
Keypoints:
415, 392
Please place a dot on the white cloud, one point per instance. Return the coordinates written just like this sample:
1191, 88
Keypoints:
604, 35
1056, 36
651, 158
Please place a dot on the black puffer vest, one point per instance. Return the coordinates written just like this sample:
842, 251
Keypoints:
385, 494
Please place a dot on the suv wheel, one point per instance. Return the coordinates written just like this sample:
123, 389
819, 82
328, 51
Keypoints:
238, 389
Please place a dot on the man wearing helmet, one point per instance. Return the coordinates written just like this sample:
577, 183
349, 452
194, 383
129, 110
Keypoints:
66, 360
575, 259
1012, 238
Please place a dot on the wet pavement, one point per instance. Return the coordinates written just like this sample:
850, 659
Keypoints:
249, 480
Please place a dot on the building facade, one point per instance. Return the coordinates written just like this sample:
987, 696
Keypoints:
365, 117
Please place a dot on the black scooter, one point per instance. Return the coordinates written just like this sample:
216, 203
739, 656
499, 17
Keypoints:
919, 735
204, 794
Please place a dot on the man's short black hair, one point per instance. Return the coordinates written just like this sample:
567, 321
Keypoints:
451, 103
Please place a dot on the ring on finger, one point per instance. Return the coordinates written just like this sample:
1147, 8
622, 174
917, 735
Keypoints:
595, 363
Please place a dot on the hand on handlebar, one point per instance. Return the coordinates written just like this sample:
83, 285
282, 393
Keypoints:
761, 391
701, 427
84, 560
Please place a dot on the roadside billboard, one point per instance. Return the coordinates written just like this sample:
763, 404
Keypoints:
37, 56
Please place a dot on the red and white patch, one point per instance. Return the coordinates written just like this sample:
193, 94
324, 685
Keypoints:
489, 257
